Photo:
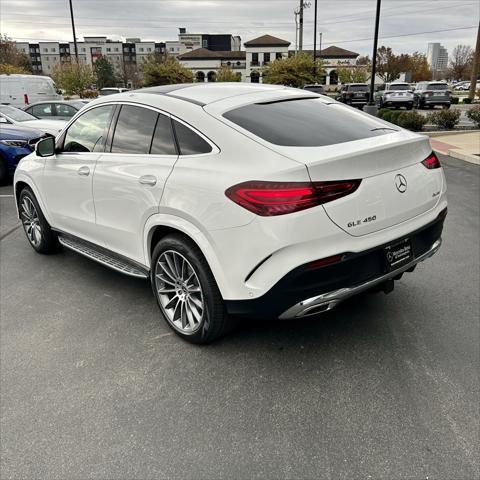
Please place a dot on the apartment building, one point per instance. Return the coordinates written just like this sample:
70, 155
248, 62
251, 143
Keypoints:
437, 56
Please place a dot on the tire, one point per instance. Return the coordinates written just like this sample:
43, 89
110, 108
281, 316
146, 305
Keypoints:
409, 106
3, 172
39, 233
446, 107
186, 291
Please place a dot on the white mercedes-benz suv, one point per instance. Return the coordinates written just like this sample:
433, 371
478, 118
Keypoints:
236, 199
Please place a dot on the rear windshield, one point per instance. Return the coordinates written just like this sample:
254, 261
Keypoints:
108, 91
437, 86
305, 123
399, 86
358, 88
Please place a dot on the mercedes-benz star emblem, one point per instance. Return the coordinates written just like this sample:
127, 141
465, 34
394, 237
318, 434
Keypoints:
400, 183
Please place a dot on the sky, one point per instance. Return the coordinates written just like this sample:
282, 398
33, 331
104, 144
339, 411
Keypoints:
405, 25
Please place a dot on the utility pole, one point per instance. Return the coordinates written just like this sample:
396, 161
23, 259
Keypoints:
476, 66
300, 35
73, 30
296, 31
315, 38
371, 107
320, 47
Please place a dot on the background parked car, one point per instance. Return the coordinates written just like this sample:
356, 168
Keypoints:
15, 116
15, 143
112, 90
462, 86
315, 88
431, 94
396, 94
355, 94
20, 90
55, 110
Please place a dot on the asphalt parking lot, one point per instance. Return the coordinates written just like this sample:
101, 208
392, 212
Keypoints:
95, 385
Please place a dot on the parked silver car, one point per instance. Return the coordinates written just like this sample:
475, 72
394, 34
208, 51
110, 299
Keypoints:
395, 94
61, 110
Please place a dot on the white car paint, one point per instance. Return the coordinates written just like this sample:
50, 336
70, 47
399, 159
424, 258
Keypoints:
110, 208
15, 116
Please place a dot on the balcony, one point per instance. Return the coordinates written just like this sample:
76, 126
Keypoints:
254, 63
233, 64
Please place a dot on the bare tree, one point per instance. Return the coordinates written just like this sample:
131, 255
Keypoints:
461, 62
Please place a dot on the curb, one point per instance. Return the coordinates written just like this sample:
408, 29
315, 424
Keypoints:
462, 155
441, 133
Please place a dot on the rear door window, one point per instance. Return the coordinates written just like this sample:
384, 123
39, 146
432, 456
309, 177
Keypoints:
305, 123
189, 142
134, 130
40, 111
163, 142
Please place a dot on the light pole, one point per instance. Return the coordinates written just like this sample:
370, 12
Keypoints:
315, 36
73, 30
299, 12
371, 107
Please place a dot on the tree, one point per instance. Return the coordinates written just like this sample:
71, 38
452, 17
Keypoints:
461, 62
419, 68
104, 73
226, 74
11, 59
363, 60
73, 77
131, 75
159, 71
389, 65
294, 71
353, 75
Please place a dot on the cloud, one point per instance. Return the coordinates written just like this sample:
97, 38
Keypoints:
347, 23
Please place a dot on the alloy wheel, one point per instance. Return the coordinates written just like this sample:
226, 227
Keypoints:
31, 221
179, 292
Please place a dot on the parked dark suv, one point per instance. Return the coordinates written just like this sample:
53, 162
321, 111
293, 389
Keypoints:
431, 94
355, 94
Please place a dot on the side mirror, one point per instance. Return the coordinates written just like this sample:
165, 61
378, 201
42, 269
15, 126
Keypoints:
45, 147
3, 120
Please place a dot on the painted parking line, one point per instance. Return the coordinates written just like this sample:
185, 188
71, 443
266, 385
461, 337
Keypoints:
6, 196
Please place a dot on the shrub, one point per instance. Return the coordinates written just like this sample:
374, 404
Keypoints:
411, 121
90, 94
381, 113
474, 115
444, 119
454, 100
467, 100
387, 115
394, 116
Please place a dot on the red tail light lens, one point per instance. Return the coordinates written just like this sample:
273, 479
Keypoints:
324, 262
432, 162
279, 198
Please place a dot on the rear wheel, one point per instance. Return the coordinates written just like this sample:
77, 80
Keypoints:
409, 106
38, 231
186, 291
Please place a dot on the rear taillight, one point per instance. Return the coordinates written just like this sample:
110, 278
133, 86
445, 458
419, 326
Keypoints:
324, 262
432, 162
25, 99
279, 198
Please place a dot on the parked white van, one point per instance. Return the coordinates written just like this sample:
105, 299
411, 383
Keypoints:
20, 90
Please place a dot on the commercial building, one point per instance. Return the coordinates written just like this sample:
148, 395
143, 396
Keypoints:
437, 56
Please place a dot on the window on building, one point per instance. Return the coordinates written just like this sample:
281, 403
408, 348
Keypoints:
45, 49
278, 55
266, 57
255, 58
109, 49
149, 49
116, 49
141, 49
134, 130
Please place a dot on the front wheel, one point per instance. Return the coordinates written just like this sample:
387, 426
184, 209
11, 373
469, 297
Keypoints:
39, 233
186, 291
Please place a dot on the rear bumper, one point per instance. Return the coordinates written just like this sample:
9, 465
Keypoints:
305, 292
436, 101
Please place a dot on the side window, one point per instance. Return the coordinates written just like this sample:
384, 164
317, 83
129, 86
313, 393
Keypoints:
189, 142
65, 110
163, 142
44, 110
134, 130
87, 133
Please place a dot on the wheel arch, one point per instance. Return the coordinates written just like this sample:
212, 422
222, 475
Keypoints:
20, 183
158, 226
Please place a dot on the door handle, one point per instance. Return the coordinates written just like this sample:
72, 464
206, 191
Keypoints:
84, 171
148, 180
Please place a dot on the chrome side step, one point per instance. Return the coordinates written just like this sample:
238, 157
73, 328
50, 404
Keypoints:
102, 256
327, 301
